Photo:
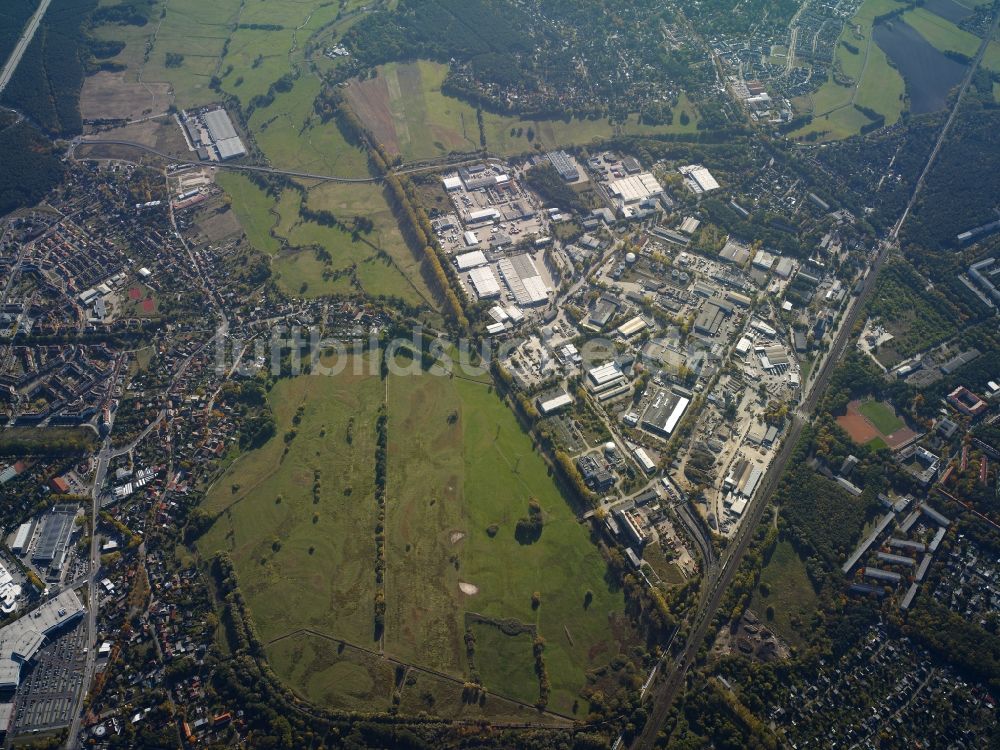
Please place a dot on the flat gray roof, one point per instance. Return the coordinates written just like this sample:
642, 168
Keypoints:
230, 148
57, 526
220, 127
21, 639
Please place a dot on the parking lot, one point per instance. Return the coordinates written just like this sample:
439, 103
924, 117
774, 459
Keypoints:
49, 684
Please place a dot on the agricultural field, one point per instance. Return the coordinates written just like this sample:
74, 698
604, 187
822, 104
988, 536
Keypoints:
404, 107
874, 83
785, 587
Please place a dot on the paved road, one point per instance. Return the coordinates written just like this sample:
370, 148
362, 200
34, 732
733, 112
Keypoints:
222, 165
22, 44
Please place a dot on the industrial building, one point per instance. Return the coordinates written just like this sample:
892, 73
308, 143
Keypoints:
21, 640
468, 261
604, 376
22, 537
698, 179
484, 282
633, 191
564, 164
647, 465
664, 413
711, 316
54, 537
524, 280
631, 327
735, 252
225, 140
553, 402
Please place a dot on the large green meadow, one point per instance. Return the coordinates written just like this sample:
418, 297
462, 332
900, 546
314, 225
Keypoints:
873, 82
460, 475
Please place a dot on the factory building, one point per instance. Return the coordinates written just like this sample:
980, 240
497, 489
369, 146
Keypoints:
564, 164
484, 282
699, 179
524, 280
664, 413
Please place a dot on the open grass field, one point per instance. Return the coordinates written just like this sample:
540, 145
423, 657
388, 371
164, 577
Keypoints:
380, 262
874, 83
471, 475
404, 107
506, 660
790, 593
198, 31
408, 113
575, 132
307, 566
339, 675
883, 416
253, 208
303, 563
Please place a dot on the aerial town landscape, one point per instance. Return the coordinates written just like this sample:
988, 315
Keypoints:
499, 374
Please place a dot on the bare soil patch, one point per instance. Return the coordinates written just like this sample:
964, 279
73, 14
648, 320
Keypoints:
109, 96
370, 101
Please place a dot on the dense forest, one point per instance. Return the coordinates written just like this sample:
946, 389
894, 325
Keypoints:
543, 58
30, 166
963, 189
46, 86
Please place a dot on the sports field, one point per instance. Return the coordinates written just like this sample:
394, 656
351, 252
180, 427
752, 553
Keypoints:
460, 475
875, 423
882, 416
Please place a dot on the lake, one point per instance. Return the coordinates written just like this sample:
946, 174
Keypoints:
929, 75
949, 10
